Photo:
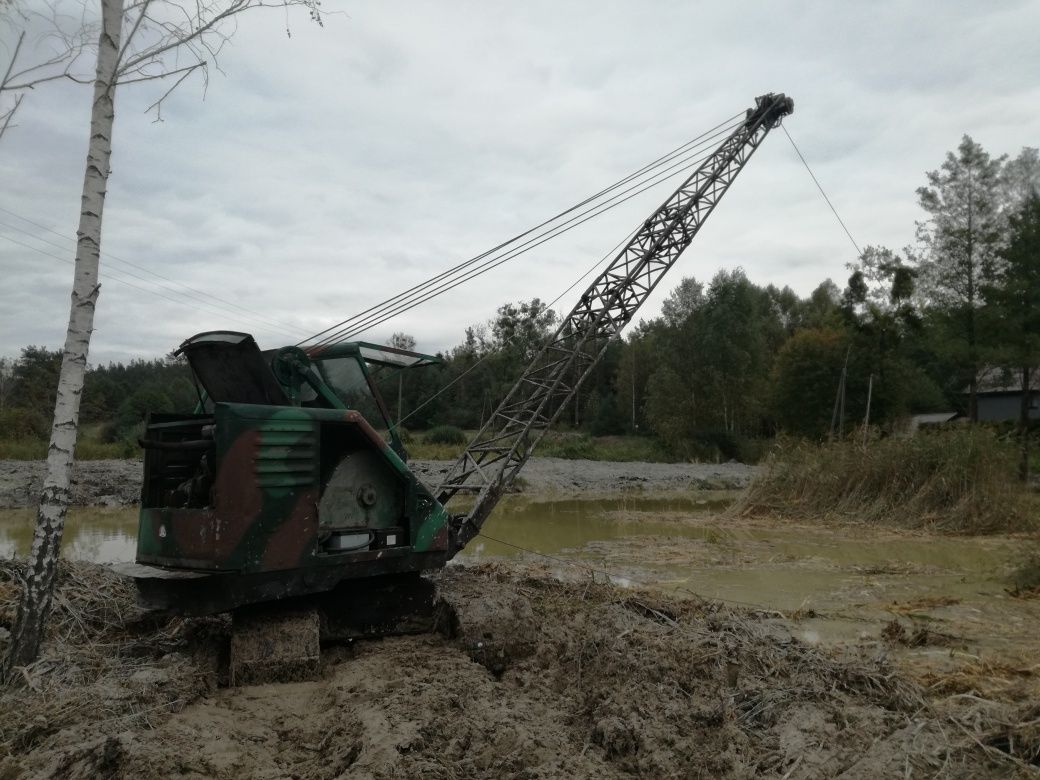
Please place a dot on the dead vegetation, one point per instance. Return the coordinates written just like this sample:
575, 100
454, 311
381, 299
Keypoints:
103, 660
542, 678
1025, 581
958, 480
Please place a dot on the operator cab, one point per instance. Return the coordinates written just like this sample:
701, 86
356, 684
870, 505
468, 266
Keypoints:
229, 367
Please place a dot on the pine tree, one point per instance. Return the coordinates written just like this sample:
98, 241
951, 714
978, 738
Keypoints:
961, 243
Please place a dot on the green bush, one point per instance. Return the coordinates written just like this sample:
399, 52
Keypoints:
712, 446
23, 425
445, 434
570, 447
23, 449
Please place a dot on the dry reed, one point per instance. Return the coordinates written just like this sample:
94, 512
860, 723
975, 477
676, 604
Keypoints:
959, 480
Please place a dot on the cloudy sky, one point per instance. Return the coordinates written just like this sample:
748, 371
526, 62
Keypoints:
331, 169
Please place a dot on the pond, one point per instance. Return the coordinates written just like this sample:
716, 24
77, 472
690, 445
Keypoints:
680, 542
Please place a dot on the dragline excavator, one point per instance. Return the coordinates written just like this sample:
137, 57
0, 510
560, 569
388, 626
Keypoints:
290, 483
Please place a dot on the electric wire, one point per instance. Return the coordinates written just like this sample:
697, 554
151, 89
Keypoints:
281, 326
461, 267
355, 328
109, 275
820, 188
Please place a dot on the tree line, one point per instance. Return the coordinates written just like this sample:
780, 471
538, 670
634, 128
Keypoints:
728, 362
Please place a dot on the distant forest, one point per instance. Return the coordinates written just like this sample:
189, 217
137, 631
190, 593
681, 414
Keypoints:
728, 362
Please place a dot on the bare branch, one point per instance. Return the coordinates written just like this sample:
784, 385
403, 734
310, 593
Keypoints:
157, 105
179, 37
165, 74
9, 115
133, 31
60, 63
10, 65
164, 29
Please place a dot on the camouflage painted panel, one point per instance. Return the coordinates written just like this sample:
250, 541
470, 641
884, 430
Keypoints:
267, 510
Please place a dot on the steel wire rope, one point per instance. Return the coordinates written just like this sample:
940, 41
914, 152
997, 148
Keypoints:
249, 318
110, 276
420, 297
726, 124
109, 256
606, 258
423, 295
820, 188
665, 158
426, 295
500, 260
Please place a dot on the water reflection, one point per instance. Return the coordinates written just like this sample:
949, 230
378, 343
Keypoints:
680, 545
97, 534
676, 543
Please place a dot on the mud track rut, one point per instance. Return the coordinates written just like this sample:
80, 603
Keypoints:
544, 679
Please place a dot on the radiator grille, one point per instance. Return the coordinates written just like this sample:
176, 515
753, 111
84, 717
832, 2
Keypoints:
287, 455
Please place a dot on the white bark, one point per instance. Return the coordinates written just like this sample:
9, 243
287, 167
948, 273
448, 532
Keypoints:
38, 585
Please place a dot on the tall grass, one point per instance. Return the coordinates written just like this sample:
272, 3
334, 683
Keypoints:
961, 480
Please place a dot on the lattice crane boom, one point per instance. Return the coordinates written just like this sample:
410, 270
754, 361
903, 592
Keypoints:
502, 446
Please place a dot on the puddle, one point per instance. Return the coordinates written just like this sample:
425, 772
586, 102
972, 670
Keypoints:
841, 583
682, 543
96, 534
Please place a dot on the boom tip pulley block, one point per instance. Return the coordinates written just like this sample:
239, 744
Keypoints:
770, 109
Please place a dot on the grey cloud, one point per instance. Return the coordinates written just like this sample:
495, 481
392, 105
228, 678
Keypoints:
340, 166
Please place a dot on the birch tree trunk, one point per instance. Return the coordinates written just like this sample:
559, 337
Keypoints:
38, 587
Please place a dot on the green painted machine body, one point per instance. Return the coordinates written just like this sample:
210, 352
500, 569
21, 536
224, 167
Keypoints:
276, 475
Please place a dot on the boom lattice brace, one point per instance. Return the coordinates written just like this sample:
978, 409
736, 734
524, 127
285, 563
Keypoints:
503, 444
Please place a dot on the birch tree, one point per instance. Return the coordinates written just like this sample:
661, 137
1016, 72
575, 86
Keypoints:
137, 41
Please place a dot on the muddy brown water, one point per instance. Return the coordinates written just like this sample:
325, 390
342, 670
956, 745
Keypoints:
842, 584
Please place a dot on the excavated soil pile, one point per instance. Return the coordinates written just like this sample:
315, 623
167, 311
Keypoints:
532, 678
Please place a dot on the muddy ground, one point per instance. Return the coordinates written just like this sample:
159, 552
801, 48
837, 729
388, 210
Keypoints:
541, 679
118, 482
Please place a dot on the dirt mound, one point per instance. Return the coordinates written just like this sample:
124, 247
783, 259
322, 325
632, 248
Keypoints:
537, 678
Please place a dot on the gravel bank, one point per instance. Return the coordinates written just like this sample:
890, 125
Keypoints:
118, 482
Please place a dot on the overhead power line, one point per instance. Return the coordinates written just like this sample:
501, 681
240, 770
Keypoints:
279, 326
112, 276
820, 188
